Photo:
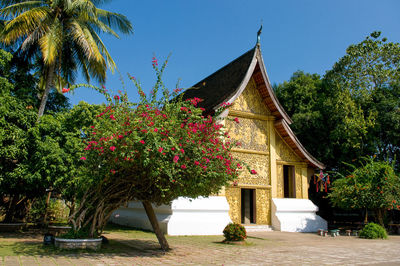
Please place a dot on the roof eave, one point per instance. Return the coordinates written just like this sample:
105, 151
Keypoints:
271, 93
295, 144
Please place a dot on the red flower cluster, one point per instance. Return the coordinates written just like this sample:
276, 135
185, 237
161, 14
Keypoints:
65, 90
154, 62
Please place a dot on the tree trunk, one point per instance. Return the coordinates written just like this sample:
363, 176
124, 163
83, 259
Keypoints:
366, 216
10, 213
45, 95
46, 211
154, 223
379, 216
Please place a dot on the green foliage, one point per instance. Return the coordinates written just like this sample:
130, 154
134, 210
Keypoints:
234, 232
373, 231
34, 157
56, 211
80, 234
373, 186
353, 110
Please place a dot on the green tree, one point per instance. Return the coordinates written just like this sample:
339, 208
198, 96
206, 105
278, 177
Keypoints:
353, 110
61, 36
327, 121
34, 157
370, 74
373, 186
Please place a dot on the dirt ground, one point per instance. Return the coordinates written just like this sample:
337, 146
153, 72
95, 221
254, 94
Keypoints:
262, 248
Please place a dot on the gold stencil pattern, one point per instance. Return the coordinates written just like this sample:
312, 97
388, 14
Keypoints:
263, 198
251, 133
233, 196
298, 183
279, 173
284, 152
250, 100
258, 162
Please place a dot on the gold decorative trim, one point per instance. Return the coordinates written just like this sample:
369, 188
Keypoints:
291, 163
252, 186
250, 115
249, 151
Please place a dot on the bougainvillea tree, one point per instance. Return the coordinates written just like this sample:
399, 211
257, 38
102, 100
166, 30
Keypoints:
153, 152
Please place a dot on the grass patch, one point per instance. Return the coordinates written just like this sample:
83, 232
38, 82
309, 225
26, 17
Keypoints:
18, 248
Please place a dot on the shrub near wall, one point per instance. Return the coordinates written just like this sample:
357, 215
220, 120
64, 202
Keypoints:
373, 231
235, 232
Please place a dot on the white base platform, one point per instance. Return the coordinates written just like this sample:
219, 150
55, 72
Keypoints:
258, 228
296, 215
201, 216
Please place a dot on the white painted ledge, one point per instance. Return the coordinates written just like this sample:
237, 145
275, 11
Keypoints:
296, 215
201, 216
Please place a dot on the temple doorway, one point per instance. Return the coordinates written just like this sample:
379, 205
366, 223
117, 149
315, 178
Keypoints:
289, 185
248, 206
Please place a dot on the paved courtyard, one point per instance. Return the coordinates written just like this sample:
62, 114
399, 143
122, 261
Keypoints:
262, 248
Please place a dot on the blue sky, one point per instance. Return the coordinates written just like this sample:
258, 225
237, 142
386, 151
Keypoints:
202, 36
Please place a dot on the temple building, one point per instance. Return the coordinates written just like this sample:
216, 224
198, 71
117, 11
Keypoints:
277, 196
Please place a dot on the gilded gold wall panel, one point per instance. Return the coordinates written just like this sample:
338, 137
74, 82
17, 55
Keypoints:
250, 100
279, 172
251, 133
298, 182
258, 162
233, 196
263, 199
284, 152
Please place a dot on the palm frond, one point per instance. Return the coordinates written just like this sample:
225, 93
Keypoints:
18, 8
110, 62
115, 20
51, 42
23, 24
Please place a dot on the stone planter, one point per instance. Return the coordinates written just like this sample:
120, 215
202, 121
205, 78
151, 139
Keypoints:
11, 227
64, 243
57, 230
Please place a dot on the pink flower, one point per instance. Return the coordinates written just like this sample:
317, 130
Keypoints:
176, 158
253, 172
160, 149
196, 163
142, 141
64, 90
112, 148
172, 149
183, 166
116, 97
182, 150
156, 129
236, 120
112, 117
83, 158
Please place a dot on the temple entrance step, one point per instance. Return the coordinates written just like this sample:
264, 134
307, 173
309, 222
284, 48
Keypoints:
257, 228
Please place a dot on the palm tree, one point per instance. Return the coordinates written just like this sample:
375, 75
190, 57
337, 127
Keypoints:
62, 36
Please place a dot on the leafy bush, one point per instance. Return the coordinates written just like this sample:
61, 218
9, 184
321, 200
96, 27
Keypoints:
235, 232
57, 211
83, 233
373, 231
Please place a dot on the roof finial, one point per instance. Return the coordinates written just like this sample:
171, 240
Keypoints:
259, 33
